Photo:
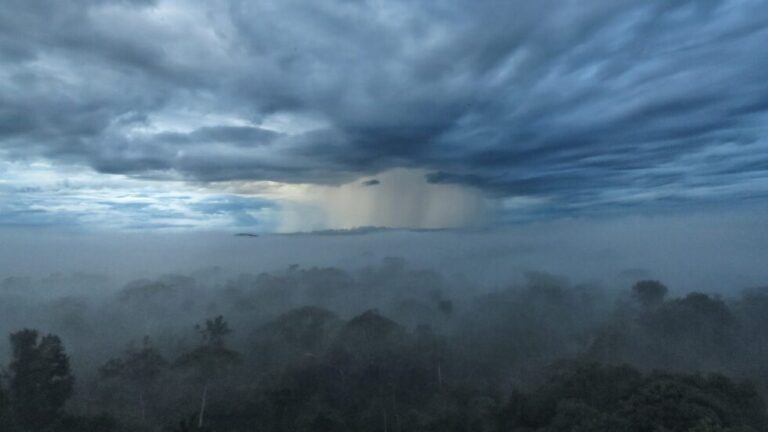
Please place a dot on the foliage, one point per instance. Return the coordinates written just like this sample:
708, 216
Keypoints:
649, 293
40, 379
214, 331
5, 409
589, 396
141, 366
211, 357
395, 350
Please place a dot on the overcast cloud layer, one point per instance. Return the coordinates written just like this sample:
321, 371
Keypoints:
228, 113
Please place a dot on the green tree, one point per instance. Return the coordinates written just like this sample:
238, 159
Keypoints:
40, 379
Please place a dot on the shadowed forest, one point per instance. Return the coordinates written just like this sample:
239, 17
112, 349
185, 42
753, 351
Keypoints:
388, 348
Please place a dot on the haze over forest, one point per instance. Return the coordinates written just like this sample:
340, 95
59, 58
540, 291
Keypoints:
384, 216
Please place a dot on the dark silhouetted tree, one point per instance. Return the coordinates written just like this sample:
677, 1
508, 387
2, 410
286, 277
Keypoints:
5, 410
211, 358
585, 397
100, 423
138, 367
295, 337
40, 379
214, 331
649, 293
188, 425
433, 348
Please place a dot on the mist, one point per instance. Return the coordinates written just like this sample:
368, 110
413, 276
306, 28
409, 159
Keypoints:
494, 315
711, 252
383, 216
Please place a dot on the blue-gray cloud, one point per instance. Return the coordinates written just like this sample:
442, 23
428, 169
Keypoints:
587, 104
46, 197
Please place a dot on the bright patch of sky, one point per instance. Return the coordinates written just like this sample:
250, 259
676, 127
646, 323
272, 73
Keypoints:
39, 194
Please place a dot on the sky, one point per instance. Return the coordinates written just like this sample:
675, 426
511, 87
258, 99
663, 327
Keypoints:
287, 115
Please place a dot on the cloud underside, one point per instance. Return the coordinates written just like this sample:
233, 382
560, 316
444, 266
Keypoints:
579, 105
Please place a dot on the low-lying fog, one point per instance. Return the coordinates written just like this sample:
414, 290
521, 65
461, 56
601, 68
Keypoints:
711, 253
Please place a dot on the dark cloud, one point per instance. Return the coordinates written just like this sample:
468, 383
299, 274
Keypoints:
586, 104
371, 182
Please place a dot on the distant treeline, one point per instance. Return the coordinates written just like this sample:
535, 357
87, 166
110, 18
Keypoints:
387, 348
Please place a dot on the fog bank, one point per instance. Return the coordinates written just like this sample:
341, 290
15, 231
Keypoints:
712, 252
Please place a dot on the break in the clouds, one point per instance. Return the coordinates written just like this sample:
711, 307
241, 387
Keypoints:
243, 113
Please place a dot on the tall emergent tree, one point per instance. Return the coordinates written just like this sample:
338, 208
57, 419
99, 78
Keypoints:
210, 358
40, 380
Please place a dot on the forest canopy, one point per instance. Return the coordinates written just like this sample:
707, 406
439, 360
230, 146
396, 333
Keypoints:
384, 348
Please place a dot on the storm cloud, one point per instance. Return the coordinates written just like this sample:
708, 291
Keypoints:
577, 106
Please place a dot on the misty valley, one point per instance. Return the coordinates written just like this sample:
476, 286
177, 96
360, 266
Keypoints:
388, 347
